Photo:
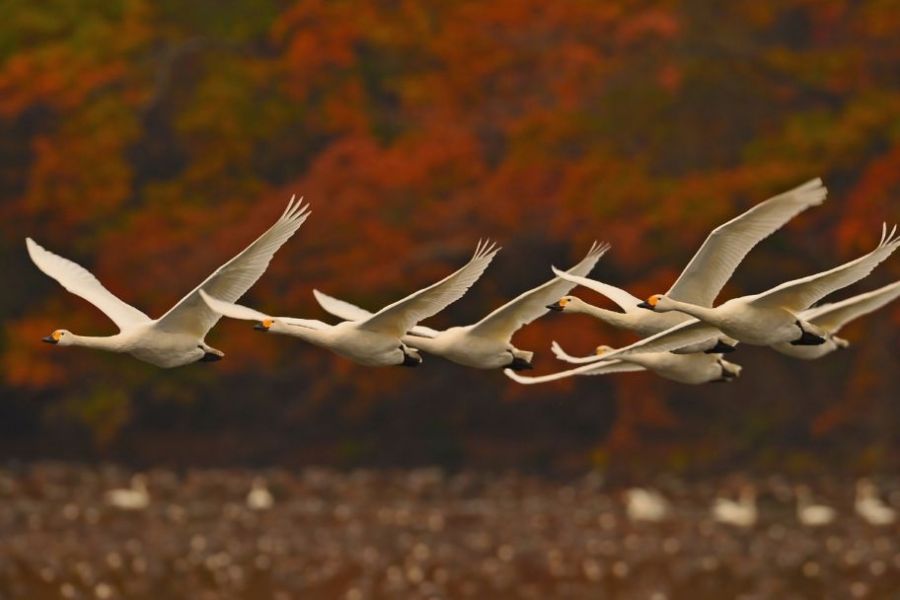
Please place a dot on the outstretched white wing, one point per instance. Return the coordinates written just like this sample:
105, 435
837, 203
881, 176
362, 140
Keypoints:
245, 313
800, 294
681, 335
82, 282
623, 299
399, 317
506, 320
605, 368
340, 308
230, 281
832, 317
724, 249
562, 355
350, 312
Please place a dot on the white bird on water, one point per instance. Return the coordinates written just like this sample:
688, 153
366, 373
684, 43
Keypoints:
810, 514
375, 340
176, 338
259, 497
646, 505
740, 513
136, 497
705, 275
870, 507
486, 344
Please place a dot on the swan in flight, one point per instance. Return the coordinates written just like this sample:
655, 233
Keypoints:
177, 337
765, 319
486, 344
809, 514
691, 369
705, 275
373, 340
740, 513
830, 318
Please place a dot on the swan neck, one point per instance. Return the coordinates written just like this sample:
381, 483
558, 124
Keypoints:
611, 317
700, 312
110, 343
314, 336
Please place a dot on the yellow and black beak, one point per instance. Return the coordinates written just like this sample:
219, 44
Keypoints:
263, 325
557, 306
50, 340
646, 304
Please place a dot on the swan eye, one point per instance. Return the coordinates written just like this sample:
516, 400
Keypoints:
267, 323
56, 335
563, 301
653, 300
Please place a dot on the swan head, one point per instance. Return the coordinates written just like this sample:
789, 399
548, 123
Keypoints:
60, 337
602, 349
561, 304
655, 302
264, 325
570, 304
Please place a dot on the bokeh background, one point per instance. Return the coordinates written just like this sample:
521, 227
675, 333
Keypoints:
150, 141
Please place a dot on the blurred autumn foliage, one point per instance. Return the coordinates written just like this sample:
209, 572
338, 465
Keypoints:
151, 140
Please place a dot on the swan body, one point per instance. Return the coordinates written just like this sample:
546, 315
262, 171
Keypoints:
486, 344
740, 513
136, 497
705, 275
690, 369
812, 515
373, 340
870, 507
646, 505
176, 338
765, 319
259, 497
832, 317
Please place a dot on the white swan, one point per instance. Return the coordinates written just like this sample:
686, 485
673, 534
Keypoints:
707, 272
176, 338
764, 319
870, 507
742, 513
646, 505
259, 497
691, 369
830, 318
486, 344
136, 497
809, 514
375, 340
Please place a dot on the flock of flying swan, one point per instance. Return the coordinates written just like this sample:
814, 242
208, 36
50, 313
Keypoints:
685, 334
